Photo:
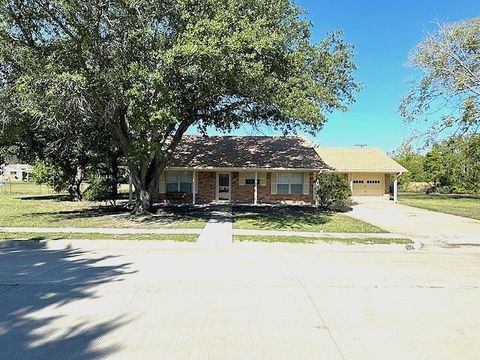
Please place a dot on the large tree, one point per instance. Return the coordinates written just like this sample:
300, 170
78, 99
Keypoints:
454, 164
150, 69
413, 161
447, 93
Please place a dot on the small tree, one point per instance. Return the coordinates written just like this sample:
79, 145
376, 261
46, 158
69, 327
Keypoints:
332, 190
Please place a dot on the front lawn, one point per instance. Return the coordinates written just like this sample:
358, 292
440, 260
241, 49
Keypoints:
55, 210
96, 236
461, 205
298, 219
310, 240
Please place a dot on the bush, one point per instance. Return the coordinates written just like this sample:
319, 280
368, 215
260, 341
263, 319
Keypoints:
98, 190
44, 173
332, 191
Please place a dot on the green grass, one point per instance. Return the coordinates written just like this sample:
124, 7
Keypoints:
461, 205
53, 210
25, 188
299, 219
95, 236
309, 240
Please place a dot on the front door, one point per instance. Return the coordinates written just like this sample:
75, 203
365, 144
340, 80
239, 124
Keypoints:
223, 187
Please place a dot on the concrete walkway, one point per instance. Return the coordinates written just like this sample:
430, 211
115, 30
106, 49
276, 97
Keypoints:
429, 227
219, 228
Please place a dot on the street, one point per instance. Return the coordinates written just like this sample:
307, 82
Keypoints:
161, 300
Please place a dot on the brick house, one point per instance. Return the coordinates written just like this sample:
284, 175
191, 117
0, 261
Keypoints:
243, 170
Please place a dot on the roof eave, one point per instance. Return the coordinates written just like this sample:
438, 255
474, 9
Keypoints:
213, 168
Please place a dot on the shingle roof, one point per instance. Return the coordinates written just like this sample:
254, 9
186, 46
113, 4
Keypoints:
359, 160
291, 152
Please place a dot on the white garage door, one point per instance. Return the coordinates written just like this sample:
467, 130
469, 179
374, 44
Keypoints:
368, 184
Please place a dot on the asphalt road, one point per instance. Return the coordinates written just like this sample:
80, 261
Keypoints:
152, 300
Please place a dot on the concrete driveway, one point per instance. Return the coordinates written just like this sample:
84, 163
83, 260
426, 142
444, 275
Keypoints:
429, 227
154, 300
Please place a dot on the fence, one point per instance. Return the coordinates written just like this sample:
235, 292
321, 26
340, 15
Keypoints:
24, 188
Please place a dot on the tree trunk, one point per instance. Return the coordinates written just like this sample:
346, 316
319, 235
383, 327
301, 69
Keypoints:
145, 187
114, 175
74, 188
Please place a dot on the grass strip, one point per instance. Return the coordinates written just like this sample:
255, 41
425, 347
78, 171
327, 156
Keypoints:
97, 236
312, 240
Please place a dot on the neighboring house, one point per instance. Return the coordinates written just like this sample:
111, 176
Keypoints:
16, 172
243, 169
369, 171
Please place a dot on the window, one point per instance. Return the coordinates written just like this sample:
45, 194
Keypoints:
358, 181
373, 181
250, 179
290, 183
178, 182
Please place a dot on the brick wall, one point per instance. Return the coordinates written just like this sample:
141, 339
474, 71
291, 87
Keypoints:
269, 198
207, 181
243, 194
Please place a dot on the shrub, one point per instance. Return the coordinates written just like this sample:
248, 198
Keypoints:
44, 173
332, 191
98, 190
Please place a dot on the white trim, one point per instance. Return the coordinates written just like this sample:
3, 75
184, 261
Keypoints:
255, 191
386, 171
395, 189
248, 169
194, 186
217, 184
177, 173
290, 183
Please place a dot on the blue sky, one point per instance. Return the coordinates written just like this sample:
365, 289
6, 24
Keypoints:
383, 33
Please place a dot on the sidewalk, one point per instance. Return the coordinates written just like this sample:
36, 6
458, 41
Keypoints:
219, 229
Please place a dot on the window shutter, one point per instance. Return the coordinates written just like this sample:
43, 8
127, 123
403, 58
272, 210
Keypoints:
263, 178
241, 178
161, 183
273, 182
306, 183
196, 182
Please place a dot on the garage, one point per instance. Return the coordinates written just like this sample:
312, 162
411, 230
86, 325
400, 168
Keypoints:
367, 184
369, 171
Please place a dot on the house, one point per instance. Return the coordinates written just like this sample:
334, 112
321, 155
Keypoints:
241, 169
16, 172
369, 171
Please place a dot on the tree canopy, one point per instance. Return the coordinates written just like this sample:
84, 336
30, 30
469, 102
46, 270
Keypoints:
447, 94
452, 165
147, 70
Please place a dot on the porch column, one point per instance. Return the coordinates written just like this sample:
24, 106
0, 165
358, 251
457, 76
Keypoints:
255, 190
130, 189
395, 189
350, 177
193, 186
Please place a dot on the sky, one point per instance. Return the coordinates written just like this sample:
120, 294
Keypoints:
383, 33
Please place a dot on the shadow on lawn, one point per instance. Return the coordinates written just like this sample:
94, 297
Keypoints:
292, 217
164, 215
55, 197
32, 278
